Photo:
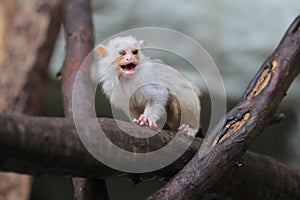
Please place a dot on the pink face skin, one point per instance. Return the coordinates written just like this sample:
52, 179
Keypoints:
127, 61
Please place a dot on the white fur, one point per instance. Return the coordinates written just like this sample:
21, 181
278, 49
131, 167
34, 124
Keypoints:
150, 86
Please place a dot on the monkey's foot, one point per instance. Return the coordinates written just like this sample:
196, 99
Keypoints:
144, 120
186, 129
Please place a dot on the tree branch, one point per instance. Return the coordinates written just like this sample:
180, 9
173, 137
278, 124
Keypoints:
29, 46
80, 40
7, 13
27, 148
232, 136
29, 42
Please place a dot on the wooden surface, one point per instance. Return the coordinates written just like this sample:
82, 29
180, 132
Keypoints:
61, 142
29, 42
226, 144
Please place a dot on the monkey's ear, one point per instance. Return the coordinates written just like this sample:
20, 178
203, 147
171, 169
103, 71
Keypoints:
101, 50
142, 42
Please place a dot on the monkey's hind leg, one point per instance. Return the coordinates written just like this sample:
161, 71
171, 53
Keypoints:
186, 129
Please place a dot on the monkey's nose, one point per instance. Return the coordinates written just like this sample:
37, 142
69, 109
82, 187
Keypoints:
130, 59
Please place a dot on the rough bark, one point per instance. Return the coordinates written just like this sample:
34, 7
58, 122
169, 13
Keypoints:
29, 43
29, 46
7, 13
232, 136
27, 148
80, 40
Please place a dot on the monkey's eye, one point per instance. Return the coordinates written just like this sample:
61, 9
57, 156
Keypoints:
122, 52
134, 52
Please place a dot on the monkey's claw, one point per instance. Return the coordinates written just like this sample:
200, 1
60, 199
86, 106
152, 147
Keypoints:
144, 120
184, 128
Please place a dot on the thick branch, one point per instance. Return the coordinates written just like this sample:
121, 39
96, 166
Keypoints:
7, 13
30, 35
27, 148
29, 45
80, 40
232, 136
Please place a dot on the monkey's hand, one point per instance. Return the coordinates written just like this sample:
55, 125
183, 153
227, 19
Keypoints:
144, 120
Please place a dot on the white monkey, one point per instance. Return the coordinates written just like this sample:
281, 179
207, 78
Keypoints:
150, 92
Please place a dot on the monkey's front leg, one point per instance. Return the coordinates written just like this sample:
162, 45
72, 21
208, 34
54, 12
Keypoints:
151, 115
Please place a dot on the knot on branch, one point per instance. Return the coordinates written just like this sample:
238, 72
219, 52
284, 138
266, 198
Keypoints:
80, 36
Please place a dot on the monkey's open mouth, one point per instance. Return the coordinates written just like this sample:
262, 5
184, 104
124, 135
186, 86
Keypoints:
128, 69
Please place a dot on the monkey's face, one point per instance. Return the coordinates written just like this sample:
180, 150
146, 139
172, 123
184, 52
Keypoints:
127, 61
